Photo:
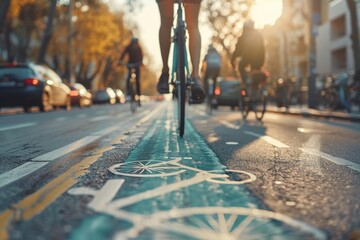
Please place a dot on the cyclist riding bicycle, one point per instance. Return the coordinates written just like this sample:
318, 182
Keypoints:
135, 58
211, 66
250, 48
192, 9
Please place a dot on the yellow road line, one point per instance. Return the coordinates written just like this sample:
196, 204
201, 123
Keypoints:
41, 199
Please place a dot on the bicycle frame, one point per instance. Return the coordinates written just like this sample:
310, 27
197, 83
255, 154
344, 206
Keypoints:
180, 23
180, 68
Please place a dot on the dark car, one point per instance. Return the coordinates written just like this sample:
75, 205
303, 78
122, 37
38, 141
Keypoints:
227, 92
80, 96
28, 85
106, 95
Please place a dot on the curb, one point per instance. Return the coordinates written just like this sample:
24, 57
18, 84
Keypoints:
315, 113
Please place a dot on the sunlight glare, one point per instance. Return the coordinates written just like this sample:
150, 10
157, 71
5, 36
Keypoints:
266, 12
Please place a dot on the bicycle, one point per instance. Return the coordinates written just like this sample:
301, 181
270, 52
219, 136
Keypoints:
254, 96
180, 74
210, 101
210, 222
131, 91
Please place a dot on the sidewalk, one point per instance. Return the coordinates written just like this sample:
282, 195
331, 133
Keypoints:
305, 111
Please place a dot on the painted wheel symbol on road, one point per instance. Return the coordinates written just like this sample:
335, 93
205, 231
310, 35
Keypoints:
155, 168
145, 168
221, 223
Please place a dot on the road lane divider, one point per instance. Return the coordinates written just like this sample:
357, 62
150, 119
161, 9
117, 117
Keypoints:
51, 156
336, 160
268, 139
19, 172
40, 161
229, 125
17, 126
35, 203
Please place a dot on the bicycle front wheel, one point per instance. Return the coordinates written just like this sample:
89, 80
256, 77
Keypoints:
181, 88
133, 102
259, 103
244, 104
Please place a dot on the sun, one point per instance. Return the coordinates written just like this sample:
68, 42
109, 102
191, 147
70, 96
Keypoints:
266, 12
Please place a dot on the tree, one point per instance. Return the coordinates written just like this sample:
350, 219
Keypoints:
4, 7
226, 18
47, 32
352, 5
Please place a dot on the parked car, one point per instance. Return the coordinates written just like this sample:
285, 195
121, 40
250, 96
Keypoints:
28, 85
106, 95
227, 92
120, 96
80, 96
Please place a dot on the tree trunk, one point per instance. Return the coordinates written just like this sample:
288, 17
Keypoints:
355, 32
4, 7
48, 32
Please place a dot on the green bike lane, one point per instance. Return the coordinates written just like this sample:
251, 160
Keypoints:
151, 184
177, 188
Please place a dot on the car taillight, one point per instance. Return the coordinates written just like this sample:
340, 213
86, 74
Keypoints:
74, 93
217, 91
31, 82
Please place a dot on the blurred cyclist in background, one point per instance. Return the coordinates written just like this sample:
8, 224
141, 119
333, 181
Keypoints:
250, 48
211, 66
192, 9
135, 56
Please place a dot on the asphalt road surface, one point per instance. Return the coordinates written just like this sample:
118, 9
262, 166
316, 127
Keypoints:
104, 173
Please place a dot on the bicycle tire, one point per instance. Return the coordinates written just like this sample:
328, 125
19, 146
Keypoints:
133, 102
209, 104
244, 107
259, 104
181, 78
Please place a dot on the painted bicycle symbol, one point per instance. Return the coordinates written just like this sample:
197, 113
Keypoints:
195, 222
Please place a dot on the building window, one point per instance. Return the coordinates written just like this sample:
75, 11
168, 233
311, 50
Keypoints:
338, 59
338, 27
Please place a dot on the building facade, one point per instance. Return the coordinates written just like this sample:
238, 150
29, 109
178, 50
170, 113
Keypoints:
334, 44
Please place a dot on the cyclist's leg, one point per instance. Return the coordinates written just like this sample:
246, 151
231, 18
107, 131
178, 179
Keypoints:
242, 71
192, 10
191, 16
128, 90
166, 16
206, 80
138, 87
215, 76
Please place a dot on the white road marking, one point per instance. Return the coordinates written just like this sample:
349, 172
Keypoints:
229, 125
268, 139
50, 156
17, 126
336, 160
20, 172
81, 115
100, 118
232, 143
40, 161
59, 119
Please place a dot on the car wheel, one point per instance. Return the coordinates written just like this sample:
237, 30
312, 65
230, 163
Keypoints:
67, 106
26, 108
45, 102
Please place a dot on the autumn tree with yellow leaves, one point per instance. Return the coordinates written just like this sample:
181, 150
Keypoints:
38, 31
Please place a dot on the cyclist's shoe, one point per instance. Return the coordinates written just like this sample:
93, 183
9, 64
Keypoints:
163, 84
197, 92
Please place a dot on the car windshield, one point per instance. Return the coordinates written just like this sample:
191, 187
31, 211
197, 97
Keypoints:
20, 72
